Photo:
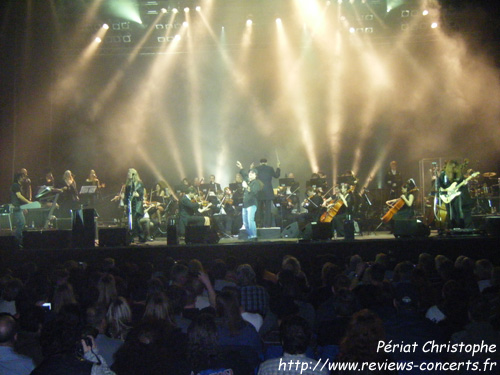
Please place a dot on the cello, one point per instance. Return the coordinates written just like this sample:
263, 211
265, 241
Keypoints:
395, 208
334, 208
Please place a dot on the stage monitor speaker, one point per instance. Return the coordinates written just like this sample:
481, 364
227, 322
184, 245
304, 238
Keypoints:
172, 238
321, 231
291, 231
201, 234
492, 225
47, 239
410, 228
111, 237
268, 233
349, 230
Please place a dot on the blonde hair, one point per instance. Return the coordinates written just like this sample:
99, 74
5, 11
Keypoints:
119, 317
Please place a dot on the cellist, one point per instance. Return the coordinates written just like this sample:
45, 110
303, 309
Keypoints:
345, 200
406, 201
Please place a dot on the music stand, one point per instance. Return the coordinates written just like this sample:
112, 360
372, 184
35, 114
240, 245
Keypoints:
205, 188
180, 188
286, 182
90, 189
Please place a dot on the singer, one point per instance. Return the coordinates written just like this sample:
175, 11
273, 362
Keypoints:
132, 199
251, 187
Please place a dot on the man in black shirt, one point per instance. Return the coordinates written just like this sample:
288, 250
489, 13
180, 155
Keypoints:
17, 199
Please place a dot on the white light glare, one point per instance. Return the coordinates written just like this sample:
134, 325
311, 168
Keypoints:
98, 40
175, 10
105, 26
186, 10
185, 24
198, 8
249, 22
352, 30
434, 25
425, 12
177, 37
278, 21
163, 10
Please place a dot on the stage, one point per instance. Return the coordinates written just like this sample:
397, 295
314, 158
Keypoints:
311, 253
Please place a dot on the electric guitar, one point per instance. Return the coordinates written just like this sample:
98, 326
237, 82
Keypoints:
451, 192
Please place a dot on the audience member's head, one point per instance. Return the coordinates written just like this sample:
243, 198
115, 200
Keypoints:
158, 308
364, 332
119, 318
245, 275
63, 295
295, 335
8, 330
483, 269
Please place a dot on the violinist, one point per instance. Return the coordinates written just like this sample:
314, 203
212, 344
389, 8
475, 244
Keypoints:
133, 198
189, 206
158, 199
224, 212
344, 204
313, 205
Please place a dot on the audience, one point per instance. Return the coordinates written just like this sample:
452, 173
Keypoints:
168, 318
10, 361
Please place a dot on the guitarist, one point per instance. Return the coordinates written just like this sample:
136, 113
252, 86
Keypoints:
459, 210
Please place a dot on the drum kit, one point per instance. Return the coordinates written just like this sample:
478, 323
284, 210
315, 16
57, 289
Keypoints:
483, 189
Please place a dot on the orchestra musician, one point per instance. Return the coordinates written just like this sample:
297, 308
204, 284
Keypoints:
313, 205
158, 198
223, 212
92, 180
133, 198
17, 199
189, 207
393, 180
48, 178
214, 186
69, 199
345, 199
408, 198
251, 190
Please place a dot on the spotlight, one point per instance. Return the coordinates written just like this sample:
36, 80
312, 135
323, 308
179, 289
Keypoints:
278, 21
425, 12
434, 25
185, 24
198, 8
175, 10
186, 10
352, 30
177, 37
163, 10
98, 40
105, 26
249, 23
